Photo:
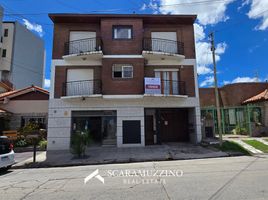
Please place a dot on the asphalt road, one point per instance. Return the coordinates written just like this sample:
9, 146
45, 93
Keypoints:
218, 178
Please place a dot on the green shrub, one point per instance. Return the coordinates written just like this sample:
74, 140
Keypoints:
240, 130
43, 144
21, 143
30, 129
79, 142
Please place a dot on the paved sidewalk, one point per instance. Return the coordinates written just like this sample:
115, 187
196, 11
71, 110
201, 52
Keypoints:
104, 155
40, 157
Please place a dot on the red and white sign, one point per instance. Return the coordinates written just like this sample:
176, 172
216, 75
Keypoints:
152, 85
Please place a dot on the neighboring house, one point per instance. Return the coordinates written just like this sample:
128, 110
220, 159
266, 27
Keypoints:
262, 100
235, 114
129, 79
18, 107
21, 57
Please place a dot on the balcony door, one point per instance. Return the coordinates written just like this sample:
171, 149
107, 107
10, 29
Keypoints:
82, 41
80, 82
169, 82
164, 42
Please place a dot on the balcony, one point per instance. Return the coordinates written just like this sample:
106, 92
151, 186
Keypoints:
164, 88
85, 48
161, 49
83, 88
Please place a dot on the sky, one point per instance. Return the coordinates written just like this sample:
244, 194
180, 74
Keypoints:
240, 28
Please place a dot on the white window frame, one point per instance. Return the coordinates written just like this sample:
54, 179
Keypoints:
123, 67
115, 35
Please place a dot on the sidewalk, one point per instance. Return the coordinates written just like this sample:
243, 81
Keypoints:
40, 157
105, 155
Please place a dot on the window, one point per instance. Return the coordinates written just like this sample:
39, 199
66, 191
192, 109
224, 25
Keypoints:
122, 32
122, 71
41, 121
4, 53
6, 33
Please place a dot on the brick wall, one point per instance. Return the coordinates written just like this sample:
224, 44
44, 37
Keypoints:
112, 85
231, 95
128, 46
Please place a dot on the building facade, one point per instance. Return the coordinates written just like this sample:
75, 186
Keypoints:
130, 80
22, 56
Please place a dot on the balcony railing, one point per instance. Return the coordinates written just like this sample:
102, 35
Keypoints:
82, 88
168, 87
162, 45
82, 46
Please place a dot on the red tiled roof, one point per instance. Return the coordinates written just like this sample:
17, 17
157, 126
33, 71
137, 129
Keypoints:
14, 92
259, 97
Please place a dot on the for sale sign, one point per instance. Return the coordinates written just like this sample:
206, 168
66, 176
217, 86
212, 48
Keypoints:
152, 85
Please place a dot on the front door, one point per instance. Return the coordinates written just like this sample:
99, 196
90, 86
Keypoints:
149, 130
174, 125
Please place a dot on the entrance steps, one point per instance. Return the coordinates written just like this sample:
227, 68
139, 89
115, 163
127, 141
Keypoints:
109, 142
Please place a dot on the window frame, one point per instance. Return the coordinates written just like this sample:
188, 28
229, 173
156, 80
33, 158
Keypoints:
122, 66
123, 26
4, 53
6, 32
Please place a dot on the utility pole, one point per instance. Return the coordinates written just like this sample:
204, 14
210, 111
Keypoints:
211, 35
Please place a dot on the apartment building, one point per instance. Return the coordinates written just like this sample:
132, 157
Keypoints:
21, 57
130, 80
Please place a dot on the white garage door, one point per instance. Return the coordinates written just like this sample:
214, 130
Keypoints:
80, 82
82, 41
164, 42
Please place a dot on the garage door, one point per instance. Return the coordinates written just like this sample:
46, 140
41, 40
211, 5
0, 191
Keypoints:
82, 41
164, 42
80, 82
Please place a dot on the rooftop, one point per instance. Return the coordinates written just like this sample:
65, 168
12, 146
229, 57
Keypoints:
147, 18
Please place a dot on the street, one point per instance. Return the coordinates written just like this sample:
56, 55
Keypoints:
217, 178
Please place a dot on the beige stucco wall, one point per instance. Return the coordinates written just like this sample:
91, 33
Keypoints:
29, 106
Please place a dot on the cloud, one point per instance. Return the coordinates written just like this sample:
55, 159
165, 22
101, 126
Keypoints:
207, 12
203, 52
258, 9
34, 27
209, 80
203, 70
242, 80
47, 83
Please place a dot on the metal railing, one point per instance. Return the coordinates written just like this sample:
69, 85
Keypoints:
162, 45
81, 88
82, 46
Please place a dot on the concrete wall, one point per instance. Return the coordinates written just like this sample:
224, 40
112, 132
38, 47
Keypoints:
28, 58
59, 122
